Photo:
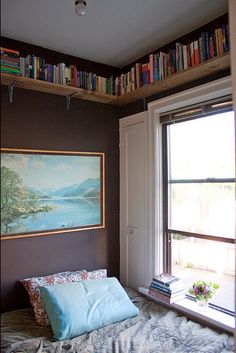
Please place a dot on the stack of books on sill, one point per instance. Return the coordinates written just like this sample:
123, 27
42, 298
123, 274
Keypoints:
167, 288
10, 61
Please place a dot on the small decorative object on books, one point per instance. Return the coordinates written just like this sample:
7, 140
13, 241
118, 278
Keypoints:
203, 291
167, 288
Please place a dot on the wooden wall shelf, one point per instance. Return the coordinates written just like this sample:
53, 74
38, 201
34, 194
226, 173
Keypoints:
192, 74
53, 88
202, 70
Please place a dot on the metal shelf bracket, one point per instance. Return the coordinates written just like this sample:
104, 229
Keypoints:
68, 98
144, 103
10, 90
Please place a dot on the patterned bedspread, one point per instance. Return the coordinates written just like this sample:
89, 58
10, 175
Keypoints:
156, 329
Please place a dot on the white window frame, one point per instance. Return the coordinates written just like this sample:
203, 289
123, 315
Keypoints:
216, 89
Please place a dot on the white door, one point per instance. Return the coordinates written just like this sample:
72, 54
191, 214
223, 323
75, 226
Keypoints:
132, 202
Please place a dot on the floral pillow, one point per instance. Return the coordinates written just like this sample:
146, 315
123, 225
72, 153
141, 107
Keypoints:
97, 274
32, 286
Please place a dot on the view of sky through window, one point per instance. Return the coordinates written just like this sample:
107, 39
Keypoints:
201, 200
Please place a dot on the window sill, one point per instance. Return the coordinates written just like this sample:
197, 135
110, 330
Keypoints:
188, 307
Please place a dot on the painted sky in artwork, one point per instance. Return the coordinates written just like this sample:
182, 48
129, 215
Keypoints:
44, 172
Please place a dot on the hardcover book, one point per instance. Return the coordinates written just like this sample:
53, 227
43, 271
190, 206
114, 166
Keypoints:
165, 278
166, 291
164, 298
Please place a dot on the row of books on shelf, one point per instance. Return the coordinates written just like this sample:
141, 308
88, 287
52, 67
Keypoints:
36, 68
167, 288
160, 66
163, 65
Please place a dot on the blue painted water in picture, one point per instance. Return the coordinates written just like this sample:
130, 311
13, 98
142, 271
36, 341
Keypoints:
65, 213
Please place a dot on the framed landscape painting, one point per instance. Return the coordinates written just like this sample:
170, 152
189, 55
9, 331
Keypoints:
46, 192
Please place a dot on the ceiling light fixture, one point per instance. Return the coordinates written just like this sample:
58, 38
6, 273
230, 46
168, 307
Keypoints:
80, 7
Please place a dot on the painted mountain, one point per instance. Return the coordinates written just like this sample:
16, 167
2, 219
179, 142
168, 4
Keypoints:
62, 191
38, 193
88, 188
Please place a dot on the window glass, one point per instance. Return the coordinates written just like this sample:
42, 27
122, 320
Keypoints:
204, 208
197, 259
202, 148
199, 198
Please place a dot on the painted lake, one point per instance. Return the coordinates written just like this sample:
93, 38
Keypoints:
64, 213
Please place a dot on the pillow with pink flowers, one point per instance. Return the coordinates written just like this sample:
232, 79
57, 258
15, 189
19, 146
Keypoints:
32, 287
97, 274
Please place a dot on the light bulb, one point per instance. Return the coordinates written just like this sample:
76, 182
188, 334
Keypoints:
80, 7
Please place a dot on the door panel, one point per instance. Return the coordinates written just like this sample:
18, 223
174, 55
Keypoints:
132, 207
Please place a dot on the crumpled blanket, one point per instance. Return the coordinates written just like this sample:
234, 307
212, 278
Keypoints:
155, 330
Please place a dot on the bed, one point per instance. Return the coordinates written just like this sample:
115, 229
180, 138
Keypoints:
155, 329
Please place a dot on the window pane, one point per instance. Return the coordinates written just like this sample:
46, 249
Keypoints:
205, 208
197, 259
202, 148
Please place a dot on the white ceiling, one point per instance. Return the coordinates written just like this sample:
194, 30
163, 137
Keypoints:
114, 32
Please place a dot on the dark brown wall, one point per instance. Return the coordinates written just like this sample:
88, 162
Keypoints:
40, 121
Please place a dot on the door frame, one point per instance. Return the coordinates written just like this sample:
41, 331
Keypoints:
149, 258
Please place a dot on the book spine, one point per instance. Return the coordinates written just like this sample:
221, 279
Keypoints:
211, 46
151, 64
128, 82
192, 54
35, 67
49, 73
133, 80
10, 70
160, 296
177, 292
207, 46
145, 74
161, 288
9, 63
22, 66
10, 51
185, 57
196, 52
156, 67
181, 66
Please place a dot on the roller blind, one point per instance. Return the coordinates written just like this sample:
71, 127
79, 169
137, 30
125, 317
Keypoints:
216, 106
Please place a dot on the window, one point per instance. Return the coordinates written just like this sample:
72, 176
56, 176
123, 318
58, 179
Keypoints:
199, 196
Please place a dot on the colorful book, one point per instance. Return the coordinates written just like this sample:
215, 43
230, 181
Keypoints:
145, 74
172, 295
185, 57
196, 52
151, 65
164, 298
168, 290
10, 70
9, 51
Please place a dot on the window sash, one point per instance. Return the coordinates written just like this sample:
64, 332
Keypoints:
215, 106
196, 181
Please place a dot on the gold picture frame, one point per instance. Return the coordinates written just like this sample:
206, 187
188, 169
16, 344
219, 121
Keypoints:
47, 192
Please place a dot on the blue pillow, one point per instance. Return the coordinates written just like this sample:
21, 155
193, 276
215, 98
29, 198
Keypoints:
80, 307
